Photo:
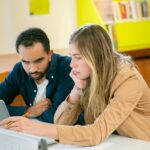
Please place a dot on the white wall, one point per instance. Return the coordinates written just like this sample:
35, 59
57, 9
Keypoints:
5, 26
58, 25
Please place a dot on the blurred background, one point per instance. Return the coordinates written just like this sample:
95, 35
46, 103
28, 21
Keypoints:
127, 22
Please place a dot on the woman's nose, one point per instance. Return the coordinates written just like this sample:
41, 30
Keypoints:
72, 63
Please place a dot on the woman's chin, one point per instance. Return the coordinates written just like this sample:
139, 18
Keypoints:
81, 77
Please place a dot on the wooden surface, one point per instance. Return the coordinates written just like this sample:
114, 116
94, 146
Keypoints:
144, 68
7, 61
3, 75
140, 54
142, 59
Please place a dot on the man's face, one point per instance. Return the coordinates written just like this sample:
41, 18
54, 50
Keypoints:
35, 61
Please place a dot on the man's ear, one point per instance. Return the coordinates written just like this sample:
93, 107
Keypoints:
50, 53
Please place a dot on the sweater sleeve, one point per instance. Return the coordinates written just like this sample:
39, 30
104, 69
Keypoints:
124, 100
67, 114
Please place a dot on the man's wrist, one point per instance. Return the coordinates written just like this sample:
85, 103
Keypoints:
27, 113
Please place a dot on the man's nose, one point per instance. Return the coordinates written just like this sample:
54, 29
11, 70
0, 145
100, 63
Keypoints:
33, 68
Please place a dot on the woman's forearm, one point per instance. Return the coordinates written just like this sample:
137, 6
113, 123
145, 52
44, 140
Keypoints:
48, 130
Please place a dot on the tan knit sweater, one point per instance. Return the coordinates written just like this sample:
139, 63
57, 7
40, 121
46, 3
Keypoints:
128, 112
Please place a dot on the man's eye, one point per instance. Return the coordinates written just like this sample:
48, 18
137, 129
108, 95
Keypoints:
25, 62
38, 61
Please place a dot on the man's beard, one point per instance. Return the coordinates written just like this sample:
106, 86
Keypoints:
37, 75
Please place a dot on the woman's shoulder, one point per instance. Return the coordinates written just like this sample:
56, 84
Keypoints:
125, 72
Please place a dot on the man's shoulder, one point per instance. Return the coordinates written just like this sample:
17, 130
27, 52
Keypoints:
60, 65
62, 58
17, 67
18, 70
16, 75
61, 61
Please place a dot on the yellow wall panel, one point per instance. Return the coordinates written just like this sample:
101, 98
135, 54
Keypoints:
87, 13
133, 35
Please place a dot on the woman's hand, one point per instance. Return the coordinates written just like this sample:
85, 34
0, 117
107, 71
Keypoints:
20, 124
80, 83
25, 125
76, 92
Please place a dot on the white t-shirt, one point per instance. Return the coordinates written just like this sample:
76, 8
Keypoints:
41, 91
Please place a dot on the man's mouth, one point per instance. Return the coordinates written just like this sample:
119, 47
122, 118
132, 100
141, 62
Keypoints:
35, 75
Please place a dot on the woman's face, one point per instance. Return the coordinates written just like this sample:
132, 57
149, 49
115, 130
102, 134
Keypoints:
79, 67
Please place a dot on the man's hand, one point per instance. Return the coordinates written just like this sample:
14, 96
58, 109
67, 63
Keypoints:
38, 108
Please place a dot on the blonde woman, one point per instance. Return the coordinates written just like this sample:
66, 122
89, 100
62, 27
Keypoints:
108, 90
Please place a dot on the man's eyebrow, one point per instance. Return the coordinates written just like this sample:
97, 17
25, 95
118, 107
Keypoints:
24, 60
36, 60
39, 59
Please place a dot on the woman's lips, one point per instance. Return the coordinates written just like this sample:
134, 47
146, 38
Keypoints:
75, 72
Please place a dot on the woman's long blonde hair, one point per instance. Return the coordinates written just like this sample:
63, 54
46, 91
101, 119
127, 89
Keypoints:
95, 46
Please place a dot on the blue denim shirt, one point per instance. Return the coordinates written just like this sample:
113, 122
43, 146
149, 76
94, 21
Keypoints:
18, 82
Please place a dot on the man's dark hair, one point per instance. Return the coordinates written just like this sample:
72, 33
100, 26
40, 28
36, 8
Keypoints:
31, 36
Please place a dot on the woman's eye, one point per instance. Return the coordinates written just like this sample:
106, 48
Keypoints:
78, 58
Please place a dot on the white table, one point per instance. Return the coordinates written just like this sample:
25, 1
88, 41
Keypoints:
22, 141
114, 142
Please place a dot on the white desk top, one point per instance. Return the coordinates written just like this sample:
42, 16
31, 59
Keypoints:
24, 141
114, 142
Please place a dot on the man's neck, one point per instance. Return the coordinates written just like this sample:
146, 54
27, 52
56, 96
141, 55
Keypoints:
41, 80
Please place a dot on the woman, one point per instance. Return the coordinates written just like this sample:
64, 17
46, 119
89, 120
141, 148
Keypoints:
108, 90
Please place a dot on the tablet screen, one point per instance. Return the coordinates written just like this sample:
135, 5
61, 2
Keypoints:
3, 110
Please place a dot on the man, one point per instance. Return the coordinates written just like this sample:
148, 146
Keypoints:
42, 78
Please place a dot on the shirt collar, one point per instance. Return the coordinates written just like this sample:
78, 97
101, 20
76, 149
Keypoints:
52, 67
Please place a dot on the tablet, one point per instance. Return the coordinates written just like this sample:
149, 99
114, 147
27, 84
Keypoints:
3, 110
23, 141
